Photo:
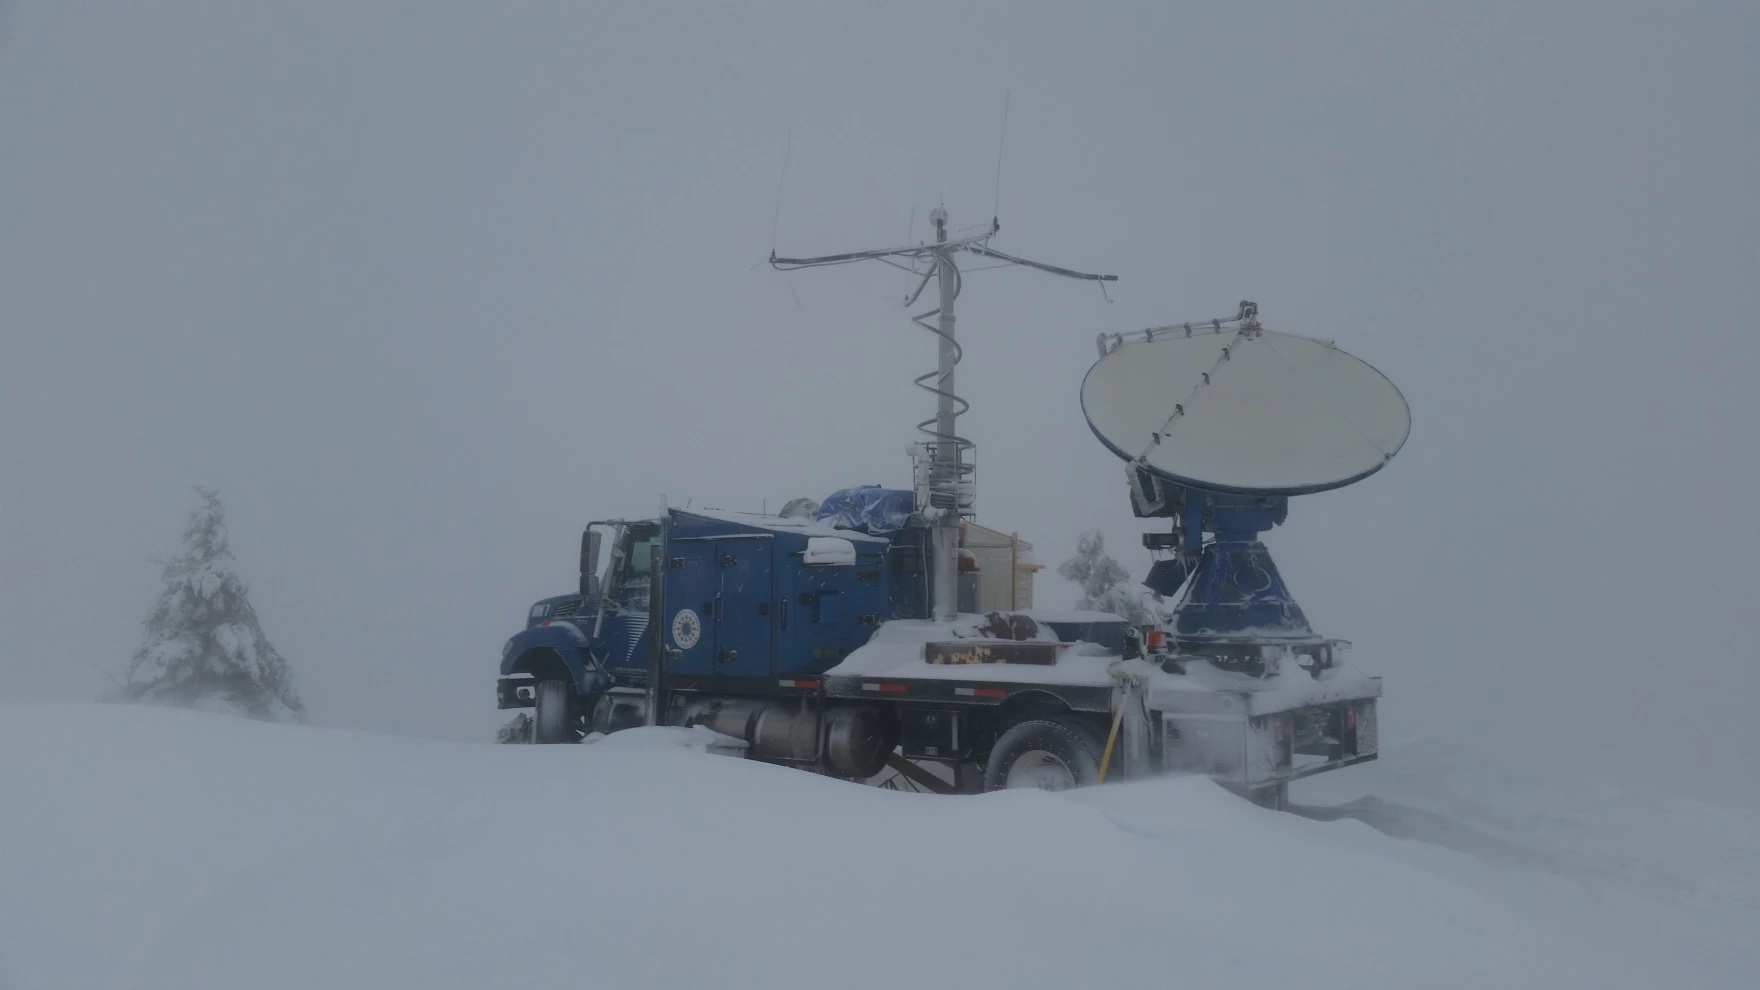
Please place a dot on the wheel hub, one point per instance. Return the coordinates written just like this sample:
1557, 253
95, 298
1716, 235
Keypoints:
1040, 769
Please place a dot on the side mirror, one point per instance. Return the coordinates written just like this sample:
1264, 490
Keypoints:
589, 561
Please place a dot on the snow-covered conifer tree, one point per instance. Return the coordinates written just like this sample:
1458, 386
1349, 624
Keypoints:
204, 647
1105, 583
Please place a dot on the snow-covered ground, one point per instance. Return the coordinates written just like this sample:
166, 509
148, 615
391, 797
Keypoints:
165, 849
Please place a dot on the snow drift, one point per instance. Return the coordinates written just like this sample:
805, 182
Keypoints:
149, 848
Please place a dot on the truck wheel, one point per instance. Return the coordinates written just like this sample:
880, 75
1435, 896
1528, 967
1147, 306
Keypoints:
557, 720
1049, 754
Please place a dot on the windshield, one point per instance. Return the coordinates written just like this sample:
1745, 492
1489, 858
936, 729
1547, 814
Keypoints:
636, 546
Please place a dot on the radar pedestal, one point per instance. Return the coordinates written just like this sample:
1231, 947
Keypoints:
1236, 595
1221, 422
1234, 600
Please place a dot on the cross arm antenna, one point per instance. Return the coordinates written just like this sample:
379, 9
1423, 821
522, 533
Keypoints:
990, 252
788, 264
971, 242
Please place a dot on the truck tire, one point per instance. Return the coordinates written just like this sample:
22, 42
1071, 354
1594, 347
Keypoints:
556, 719
1051, 754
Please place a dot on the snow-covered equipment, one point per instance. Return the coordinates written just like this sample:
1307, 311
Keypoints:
868, 509
832, 640
831, 551
1220, 422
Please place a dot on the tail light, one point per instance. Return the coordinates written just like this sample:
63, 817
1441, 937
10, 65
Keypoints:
1156, 641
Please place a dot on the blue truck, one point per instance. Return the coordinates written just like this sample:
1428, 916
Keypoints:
845, 637
810, 638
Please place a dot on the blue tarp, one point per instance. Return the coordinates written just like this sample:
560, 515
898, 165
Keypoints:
868, 509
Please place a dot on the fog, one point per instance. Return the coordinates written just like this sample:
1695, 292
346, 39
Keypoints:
423, 288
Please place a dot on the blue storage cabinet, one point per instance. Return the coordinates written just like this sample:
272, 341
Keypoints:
759, 611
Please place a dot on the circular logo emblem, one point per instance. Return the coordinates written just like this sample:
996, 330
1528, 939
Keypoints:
686, 628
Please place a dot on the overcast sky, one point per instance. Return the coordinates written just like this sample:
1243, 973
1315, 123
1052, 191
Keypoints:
421, 288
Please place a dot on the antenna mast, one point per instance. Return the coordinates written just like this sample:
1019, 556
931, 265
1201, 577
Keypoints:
945, 489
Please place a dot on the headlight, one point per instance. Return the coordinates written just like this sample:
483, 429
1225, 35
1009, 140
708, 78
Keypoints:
506, 648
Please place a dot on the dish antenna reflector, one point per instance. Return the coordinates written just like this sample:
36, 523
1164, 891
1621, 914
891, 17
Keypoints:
1229, 406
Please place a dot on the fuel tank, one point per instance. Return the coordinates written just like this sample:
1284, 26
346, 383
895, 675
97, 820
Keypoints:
853, 740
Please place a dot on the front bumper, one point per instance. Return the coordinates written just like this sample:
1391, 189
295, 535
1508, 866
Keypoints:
516, 692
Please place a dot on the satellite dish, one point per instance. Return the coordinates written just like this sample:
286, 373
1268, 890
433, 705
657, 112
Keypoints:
1248, 411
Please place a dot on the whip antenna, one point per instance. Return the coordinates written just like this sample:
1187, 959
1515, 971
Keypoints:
1001, 141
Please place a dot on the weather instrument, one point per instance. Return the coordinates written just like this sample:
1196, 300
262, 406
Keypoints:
1220, 422
944, 474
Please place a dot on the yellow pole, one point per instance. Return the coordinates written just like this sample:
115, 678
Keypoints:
1111, 737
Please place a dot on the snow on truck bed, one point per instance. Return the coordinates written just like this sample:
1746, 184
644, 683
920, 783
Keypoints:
896, 651
153, 849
